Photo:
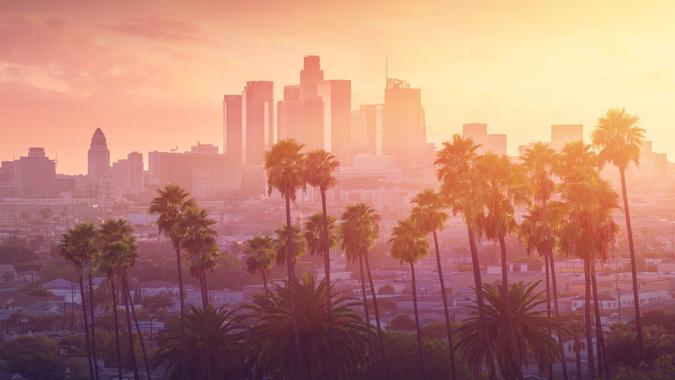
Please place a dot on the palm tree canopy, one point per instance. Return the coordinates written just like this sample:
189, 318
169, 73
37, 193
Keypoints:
117, 245
285, 167
428, 211
281, 240
539, 162
319, 168
271, 336
199, 239
79, 245
313, 231
619, 138
261, 252
359, 230
169, 204
408, 243
531, 325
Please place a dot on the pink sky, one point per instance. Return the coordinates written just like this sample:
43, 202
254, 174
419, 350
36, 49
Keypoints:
152, 74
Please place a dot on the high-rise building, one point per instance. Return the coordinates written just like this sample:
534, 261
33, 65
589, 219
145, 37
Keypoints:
495, 143
98, 162
310, 76
562, 134
300, 119
35, 174
366, 129
336, 96
404, 133
233, 136
258, 120
127, 174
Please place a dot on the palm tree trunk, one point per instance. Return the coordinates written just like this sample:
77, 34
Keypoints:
603, 365
130, 334
93, 327
554, 283
181, 296
377, 315
86, 328
577, 353
290, 266
587, 320
448, 328
514, 351
420, 351
138, 330
366, 314
478, 284
117, 327
326, 268
205, 305
548, 304
204, 290
264, 276
633, 265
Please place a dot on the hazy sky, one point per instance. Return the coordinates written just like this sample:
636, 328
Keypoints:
152, 74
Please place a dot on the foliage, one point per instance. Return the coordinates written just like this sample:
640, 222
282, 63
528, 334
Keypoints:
34, 357
285, 168
402, 322
407, 242
158, 302
314, 230
359, 229
281, 238
386, 290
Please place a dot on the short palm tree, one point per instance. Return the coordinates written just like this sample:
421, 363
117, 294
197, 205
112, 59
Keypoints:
455, 164
281, 246
261, 255
359, 230
271, 335
618, 137
78, 246
285, 168
199, 240
573, 328
409, 245
201, 358
532, 327
319, 168
429, 216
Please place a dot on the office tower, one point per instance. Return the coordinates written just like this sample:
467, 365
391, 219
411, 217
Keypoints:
562, 134
257, 120
495, 143
299, 119
310, 76
233, 137
35, 174
366, 129
98, 162
336, 96
127, 174
404, 134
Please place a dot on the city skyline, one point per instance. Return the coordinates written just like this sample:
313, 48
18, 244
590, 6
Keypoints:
125, 77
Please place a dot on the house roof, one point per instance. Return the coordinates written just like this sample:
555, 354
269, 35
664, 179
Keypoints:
59, 283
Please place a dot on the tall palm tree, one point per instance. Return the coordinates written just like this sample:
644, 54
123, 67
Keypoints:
271, 336
319, 168
200, 243
538, 228
455, 164
619, 138
285, 168
532, 327
429, 216
78, 246
359, 230
409, 245
185, 347
260, 251
117, 254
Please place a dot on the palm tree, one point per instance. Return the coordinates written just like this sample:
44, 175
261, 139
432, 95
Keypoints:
532, 327
260, 251
117, 254
184, 349
572, 326
319, 168
429, 215
285, 168
281, 245
359, 230
409, 245
537, 229
200, 243
619, 138
455, 164
170, 204
271, 336
78, 246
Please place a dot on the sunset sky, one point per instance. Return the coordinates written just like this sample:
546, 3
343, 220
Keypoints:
152, 74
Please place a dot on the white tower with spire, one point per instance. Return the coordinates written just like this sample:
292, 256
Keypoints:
98, 156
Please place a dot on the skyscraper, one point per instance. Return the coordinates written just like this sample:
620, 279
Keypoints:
495, 143
35, 174
562, 134
258, 120
310, 76
127, 174
366, 129
336, 96
233, 137
404, 134
98, 162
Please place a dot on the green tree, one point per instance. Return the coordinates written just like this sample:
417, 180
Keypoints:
260, 254
34, 357
619, 138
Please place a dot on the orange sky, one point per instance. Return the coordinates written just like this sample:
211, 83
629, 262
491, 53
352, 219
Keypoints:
152, 75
